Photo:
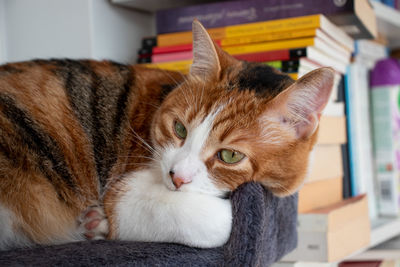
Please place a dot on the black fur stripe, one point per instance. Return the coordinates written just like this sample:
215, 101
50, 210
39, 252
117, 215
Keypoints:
264, 80
9, 69
122, 102
39, 143
100, 104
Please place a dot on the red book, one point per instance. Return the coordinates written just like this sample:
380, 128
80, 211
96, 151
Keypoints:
265, 56
157, 58
174, 48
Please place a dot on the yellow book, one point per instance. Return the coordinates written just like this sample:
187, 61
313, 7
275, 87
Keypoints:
177, 38
279, 25
259, 28
181, 66
268, 46
294, 76
259, 38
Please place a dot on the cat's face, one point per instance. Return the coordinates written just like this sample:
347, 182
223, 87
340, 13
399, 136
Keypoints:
232, 122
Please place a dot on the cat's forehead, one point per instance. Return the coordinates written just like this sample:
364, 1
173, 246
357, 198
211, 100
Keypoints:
265, 81
242, 91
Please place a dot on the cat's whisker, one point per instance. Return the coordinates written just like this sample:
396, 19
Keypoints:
184, 94
146, 145
172, 78
202, 91
139, 164
128, 157
153, 105
284, 188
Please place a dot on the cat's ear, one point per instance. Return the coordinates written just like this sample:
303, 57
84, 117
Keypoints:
300, 106
205, 57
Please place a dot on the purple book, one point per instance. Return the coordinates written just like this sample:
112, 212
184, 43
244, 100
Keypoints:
219, 14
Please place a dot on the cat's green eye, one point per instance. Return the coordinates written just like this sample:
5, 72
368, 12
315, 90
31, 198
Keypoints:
230, 156
180, 130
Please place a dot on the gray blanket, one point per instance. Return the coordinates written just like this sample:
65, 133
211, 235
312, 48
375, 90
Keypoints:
264, 230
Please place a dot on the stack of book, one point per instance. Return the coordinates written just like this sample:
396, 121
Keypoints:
295, 45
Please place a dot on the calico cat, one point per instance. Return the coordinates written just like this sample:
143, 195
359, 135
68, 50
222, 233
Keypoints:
100, 148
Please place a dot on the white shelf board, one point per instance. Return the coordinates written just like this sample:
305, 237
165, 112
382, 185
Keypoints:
384, 229
374, 254
154, 5
388, 20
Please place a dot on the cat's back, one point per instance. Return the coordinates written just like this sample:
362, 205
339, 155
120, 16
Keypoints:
74, 118
66, 127
59, 116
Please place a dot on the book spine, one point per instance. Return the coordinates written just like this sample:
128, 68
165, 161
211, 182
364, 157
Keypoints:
346, 171
258, 28
350, 130
280, 25
294, 76
143, 60
273, 36
268, 46
172, 57
385, 119
182, 66
172, 49
287, 66
149, 41
239, 12
266, 56
178, 38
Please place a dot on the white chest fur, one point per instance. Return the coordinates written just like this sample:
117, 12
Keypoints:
149, 211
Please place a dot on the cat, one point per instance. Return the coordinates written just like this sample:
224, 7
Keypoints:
96, 148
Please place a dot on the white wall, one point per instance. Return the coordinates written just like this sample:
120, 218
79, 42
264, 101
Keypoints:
71, 28
117, 31
2, 33
47, 28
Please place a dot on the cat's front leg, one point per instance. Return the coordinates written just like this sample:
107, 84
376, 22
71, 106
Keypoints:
149, 211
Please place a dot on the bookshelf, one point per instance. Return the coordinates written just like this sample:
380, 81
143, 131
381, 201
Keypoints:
388, 251
388, 21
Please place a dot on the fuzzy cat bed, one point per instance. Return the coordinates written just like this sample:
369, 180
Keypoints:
264, 230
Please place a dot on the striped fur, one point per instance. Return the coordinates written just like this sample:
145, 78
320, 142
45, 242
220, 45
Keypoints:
67, 128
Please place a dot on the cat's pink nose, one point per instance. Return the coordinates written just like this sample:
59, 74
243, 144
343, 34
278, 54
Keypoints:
177, 180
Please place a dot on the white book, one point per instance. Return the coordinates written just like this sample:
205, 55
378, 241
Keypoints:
360, 135
342, 54
371, 49
325, 59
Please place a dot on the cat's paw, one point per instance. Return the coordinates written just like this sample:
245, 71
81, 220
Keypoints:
93, 224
